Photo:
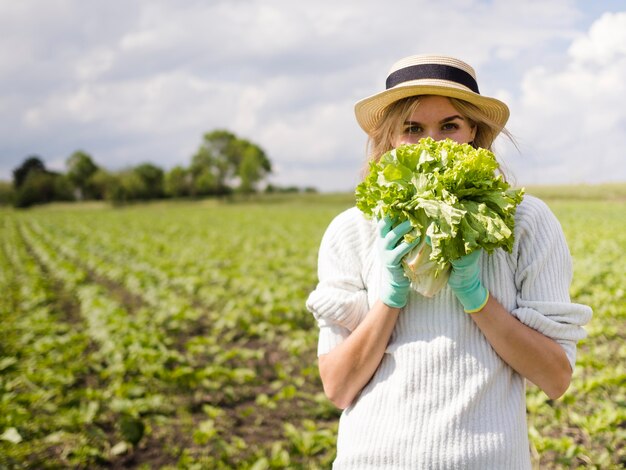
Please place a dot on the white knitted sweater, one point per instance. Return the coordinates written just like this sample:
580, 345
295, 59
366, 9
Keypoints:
441, 397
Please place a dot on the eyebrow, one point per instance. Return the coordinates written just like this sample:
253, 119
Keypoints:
443, 121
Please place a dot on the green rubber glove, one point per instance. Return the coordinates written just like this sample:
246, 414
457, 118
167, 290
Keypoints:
394, 290
465, 282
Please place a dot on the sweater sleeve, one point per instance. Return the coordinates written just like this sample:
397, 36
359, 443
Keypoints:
331, 335
544, 274
340, 297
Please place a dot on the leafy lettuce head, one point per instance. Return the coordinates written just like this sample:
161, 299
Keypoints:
450, 192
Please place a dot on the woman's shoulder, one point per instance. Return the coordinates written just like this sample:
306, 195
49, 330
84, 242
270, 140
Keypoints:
350, 227
352, 220
533, 210
532, 204
534, 218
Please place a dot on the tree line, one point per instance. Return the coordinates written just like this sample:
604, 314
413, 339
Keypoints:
223, 164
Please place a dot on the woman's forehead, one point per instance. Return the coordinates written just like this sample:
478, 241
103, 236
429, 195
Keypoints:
429, 105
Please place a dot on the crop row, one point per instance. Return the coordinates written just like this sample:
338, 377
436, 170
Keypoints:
42, 385
167, 361
175, 336
587, 427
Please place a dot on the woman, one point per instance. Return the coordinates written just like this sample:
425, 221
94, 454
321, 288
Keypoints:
440, 382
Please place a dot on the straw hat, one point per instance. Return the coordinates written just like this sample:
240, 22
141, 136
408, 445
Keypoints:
428, 75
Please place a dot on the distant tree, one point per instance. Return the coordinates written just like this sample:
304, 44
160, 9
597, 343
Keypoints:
229, 160
252, 167
80, 169
152, 177
219, 146
271, 188
178, 182
205, 174
206, 182
37, 188
31, 164
142, 182
63, 188
101, 184
126, 186
35, 185
223, 163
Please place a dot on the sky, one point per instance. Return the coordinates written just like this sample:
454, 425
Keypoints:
141, 81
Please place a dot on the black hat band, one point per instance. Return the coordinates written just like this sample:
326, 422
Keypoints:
432, 71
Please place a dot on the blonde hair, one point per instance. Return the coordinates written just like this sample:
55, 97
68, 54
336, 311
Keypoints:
383, 136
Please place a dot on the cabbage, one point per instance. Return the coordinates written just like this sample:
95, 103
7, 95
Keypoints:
455, 199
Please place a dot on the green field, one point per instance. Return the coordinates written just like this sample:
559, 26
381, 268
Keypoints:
174, 335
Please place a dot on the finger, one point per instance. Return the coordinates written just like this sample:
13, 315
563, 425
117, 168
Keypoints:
403, 249
394, 235
384, 226
466, 260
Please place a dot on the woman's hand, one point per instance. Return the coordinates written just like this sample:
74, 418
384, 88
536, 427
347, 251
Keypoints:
350, 366
533, 355
394, 291
465, 282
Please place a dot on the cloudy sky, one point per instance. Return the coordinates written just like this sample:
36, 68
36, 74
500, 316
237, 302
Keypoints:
141, 81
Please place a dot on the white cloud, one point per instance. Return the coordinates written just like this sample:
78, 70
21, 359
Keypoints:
94, 64
605, 42
572, 121
143, 81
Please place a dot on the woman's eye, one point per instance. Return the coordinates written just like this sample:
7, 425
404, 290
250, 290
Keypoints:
412, 130
450, 126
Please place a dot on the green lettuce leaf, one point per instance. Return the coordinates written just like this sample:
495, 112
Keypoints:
450, 192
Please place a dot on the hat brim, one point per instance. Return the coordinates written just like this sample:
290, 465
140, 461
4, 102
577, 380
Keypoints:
370, 110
